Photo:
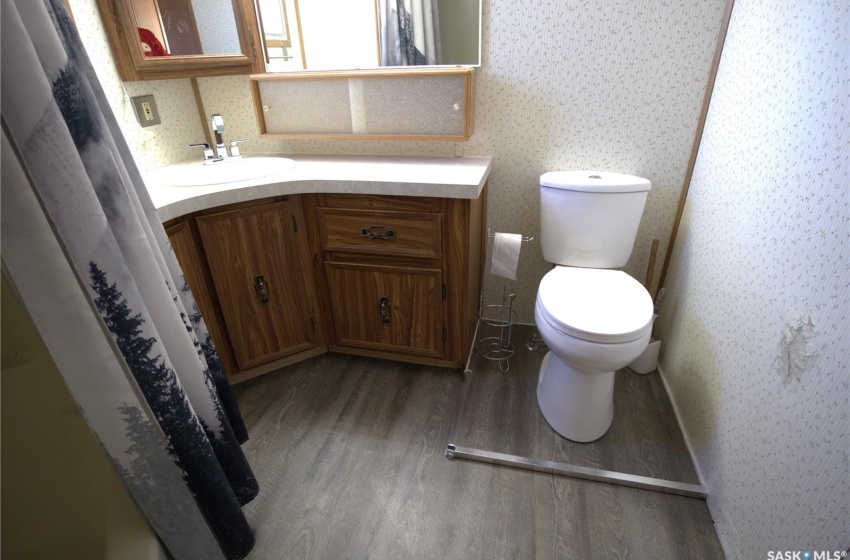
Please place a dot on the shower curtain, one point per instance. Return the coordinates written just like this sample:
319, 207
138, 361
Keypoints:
410, 32
87, 254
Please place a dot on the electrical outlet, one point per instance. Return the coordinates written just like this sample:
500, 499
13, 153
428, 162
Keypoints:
146, 111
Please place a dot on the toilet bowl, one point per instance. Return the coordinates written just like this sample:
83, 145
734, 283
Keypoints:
594, 318
594, 321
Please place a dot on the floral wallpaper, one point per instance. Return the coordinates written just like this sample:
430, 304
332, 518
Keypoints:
755, 324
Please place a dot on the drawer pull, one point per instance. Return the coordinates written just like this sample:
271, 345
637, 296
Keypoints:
261, 289
386, 234
385, 309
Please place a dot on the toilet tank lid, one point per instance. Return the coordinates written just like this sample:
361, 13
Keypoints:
594, 181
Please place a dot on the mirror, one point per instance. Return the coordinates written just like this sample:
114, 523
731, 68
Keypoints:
367, 34
186, 27
158, 39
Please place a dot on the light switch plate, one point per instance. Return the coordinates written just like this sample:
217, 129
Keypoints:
146, 111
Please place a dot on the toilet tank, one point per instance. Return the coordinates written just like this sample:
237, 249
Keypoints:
590, 218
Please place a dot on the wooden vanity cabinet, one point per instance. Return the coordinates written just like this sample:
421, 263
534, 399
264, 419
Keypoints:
402, 274
283, 279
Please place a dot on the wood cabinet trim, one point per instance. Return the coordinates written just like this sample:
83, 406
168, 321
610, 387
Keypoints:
242, 208
385, 267
456, 251
392, 203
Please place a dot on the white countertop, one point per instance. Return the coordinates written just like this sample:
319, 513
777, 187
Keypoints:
441, 177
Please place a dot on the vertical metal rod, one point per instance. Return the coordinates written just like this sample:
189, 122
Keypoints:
472, 346
460, 405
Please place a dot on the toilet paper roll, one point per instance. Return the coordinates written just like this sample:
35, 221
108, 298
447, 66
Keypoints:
506, 248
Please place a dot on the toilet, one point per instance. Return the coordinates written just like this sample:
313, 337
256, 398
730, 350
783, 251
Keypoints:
594, 319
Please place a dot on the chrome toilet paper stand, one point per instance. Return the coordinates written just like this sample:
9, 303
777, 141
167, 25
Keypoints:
501, 316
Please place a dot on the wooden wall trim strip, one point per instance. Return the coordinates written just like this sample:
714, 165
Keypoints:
391, 137
470, 104
709, 89
300, 35
375, 72
202, 113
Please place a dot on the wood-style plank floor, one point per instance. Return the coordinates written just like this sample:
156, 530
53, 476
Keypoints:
501, 414
349, 453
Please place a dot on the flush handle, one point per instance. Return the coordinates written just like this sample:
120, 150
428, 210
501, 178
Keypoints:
370, 232
384, 309
261, 289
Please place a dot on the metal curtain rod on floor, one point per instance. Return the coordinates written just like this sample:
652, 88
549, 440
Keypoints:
454, 451
574, 471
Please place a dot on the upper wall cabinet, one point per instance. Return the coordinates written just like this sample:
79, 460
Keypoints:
161, 39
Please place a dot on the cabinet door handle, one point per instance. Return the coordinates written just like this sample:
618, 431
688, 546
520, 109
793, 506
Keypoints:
386, 234
261, 289
385, 309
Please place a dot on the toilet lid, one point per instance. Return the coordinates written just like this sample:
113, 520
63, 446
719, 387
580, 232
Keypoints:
598, 305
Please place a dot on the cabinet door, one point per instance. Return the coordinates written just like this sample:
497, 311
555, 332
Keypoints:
186, 250
387, 308
254, 262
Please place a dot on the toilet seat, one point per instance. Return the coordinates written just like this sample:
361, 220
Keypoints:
597, 305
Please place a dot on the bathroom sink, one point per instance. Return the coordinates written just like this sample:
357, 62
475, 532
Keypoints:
196, 174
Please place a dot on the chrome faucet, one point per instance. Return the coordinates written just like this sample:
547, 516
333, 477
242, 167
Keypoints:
217, 126
220, 154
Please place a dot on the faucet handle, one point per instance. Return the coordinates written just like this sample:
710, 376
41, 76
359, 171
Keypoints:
208, 153
234, 149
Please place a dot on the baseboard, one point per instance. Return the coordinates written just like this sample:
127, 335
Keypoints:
277, 364
682, 426
717, 514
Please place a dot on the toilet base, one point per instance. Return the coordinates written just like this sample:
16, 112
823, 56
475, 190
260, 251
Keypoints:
579, 405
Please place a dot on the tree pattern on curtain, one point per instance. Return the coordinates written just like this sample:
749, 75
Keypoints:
55, 113
187, 439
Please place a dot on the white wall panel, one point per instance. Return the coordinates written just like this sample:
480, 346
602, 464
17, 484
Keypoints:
764, 244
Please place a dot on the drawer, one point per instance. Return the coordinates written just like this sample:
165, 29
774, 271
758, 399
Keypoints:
389, 233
